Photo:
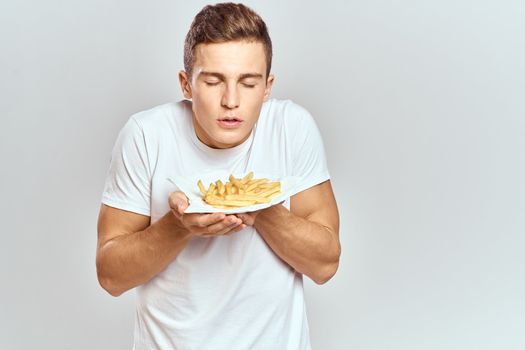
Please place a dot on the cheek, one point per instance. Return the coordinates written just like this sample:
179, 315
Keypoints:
204, 108
206, 98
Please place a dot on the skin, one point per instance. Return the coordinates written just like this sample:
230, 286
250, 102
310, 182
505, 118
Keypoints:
224, 75
229, 79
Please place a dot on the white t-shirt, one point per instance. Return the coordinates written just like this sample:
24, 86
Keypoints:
228, 292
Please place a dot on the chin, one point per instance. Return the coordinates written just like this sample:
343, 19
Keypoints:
228, 141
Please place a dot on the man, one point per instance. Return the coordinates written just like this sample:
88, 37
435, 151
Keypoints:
216, 281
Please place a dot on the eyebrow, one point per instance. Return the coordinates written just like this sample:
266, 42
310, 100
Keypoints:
223, 77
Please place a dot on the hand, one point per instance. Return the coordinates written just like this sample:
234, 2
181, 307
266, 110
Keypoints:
249, 218
214, 224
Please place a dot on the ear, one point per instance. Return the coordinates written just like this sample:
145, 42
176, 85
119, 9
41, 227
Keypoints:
268, 88
185, 84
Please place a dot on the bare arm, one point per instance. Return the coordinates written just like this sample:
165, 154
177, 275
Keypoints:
307, 236
130, 251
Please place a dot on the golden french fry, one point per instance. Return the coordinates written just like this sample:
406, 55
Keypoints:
236, 182
247, 178
201, 187
210, 190
239, 184
269, 185
254, 184
220, 187
246, 197
231, 203
268, 192
238, 192
228, 188
272, 196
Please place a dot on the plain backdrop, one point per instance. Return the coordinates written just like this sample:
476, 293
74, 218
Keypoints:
421, 106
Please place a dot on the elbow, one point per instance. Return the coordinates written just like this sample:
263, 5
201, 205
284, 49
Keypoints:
109, 287
107, 283
327, 273
328, 270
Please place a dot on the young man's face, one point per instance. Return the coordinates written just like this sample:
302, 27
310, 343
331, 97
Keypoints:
227, 87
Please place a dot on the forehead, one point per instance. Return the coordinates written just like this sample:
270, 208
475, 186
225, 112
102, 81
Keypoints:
230, 58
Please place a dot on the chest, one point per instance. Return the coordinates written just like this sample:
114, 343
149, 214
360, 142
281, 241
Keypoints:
268, 154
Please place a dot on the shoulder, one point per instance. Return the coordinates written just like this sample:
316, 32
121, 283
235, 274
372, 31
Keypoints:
160, 117
287, 115
153, 126
285, 109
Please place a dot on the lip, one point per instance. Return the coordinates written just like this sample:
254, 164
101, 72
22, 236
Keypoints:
229, 122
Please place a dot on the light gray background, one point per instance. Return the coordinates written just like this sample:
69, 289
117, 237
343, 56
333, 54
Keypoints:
421, 105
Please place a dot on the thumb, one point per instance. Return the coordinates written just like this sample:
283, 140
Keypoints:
178, 202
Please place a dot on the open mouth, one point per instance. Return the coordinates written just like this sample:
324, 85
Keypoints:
230, 122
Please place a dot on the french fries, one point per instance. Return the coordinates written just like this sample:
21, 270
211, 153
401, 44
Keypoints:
239, 192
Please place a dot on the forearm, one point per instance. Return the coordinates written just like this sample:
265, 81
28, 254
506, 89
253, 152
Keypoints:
129, 260
309, 247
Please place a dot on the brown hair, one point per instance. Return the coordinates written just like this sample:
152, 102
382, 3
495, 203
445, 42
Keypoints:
226, 22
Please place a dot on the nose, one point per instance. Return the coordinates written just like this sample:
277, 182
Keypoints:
230, 97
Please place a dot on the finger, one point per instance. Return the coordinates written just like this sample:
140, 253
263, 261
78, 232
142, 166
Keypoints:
202, 220
236, 229
246, 219
229, 223
226, 225
228, 230
178, 202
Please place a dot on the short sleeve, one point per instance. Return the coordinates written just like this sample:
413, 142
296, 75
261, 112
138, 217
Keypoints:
128, 181
309, 158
